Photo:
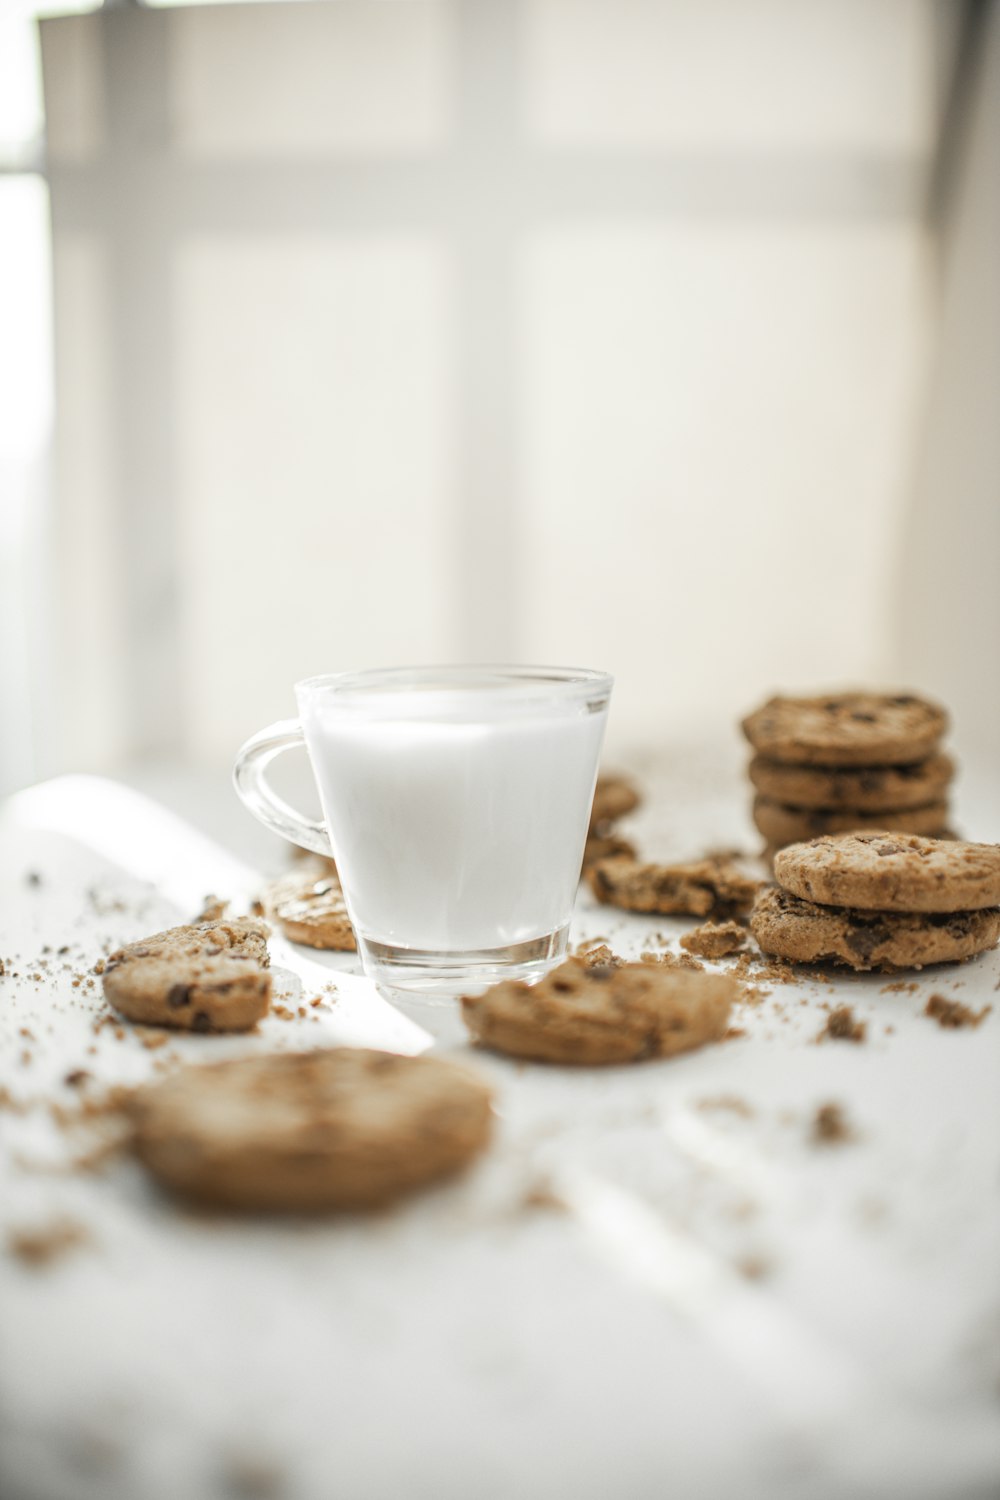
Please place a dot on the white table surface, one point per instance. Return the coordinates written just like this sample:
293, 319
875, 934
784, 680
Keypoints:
475, 1343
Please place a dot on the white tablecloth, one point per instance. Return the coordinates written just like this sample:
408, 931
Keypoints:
655, 1283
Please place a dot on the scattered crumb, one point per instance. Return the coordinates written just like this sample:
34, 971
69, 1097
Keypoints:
952, 1014
899, 987
731, 1102
598, 953
843, 1026
753, 994
754, 1267
38, 1247
733, 1033
213, 909
77, 1077
543, 1195
715, 939
33, 878
830, 1127
671, 960
98, 967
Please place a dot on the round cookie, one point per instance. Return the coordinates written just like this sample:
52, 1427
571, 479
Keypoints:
790, 825
603, 1013
805, 932
693, 888
309, 907
614, 796
847, 729
210, 976
345, 1128
863, 789
893, 872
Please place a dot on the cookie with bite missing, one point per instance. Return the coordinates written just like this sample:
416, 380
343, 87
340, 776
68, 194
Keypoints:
208, 976
336, 1129
806, 932
847, 729
694, 888
308, 905
893, 872
588, 1015
863, 789
791, 825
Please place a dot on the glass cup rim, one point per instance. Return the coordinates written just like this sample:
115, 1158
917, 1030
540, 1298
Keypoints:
562, 682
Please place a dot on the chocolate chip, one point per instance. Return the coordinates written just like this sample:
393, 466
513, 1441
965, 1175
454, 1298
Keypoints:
863, 939
883, 849
596, 971
200, 1021
179, 996
863, 718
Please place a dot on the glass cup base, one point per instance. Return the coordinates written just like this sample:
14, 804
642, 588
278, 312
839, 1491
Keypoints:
422, 974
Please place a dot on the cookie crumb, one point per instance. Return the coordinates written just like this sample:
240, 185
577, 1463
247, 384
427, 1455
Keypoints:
899, 987
213, 909
38, 1247
952, 1014
843, 1026
595, 954
670, 960
714, 939
730, 1102
543, 1196
830, 1127
754, 1267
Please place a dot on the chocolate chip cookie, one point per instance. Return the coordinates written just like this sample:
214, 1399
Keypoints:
308, 905
861, 789
346, 1128
614, 796
604, 1013
694, 888
210, 976
847, 729
806, 932
789, 825
893, 872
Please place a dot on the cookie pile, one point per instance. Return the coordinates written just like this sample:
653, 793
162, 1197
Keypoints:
847, 762
880, 900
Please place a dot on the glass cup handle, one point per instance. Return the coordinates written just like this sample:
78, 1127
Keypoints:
252, 788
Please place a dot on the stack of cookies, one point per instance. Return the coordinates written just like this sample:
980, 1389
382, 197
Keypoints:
848, 762
880, 900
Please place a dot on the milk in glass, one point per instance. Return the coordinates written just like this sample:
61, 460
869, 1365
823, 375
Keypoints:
458, 818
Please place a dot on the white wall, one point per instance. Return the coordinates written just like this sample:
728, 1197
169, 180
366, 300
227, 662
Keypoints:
575, 329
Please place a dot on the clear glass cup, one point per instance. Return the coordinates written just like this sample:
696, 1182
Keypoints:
456, 802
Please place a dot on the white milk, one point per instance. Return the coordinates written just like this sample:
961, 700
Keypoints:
458, 819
